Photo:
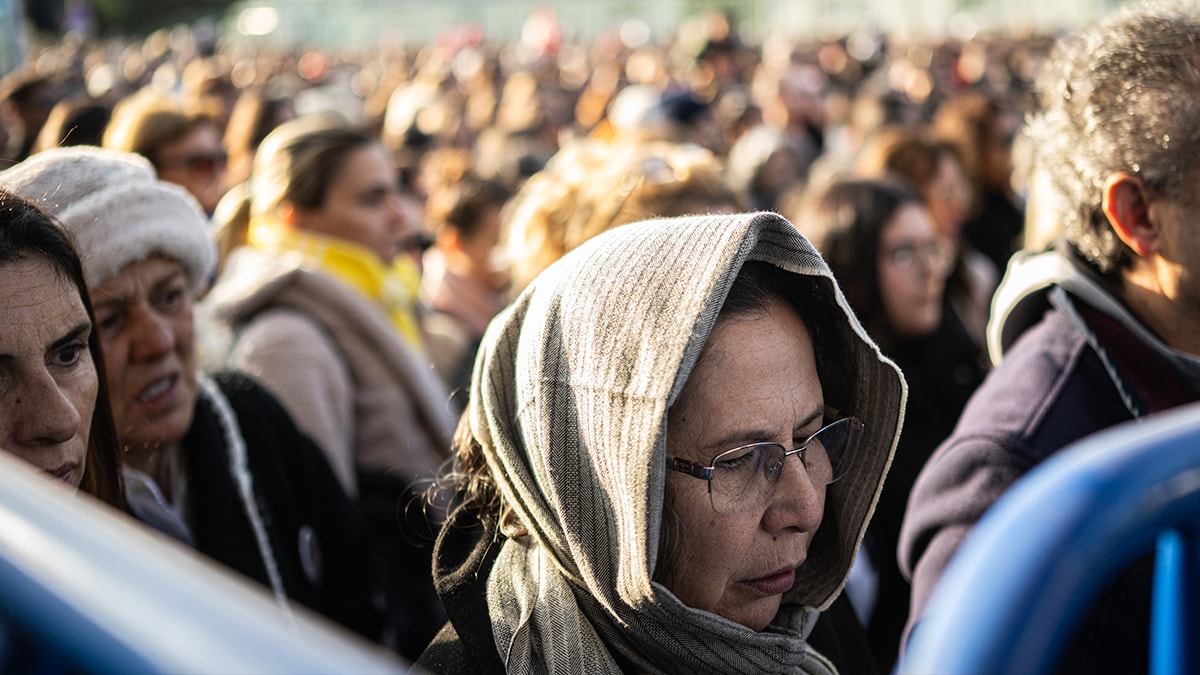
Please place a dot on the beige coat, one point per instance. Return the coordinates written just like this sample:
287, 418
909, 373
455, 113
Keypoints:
335, 362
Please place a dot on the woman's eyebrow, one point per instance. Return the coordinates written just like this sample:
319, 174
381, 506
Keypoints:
740, 437
72, 334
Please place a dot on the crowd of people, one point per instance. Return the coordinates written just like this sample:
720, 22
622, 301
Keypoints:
514, 340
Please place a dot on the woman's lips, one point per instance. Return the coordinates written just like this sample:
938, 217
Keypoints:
63, 472
160, 395
774, 584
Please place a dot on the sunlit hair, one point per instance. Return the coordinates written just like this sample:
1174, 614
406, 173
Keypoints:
298, 162
146, 121
592, 186
905, 152
295, 164
26, 233
1123, 95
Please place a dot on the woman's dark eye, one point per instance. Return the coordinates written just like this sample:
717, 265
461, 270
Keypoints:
170, 300
69, 354
108, 323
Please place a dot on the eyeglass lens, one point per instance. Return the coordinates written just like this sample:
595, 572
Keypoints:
745, 478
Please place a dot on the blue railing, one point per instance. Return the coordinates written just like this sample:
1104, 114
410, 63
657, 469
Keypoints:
1011, 597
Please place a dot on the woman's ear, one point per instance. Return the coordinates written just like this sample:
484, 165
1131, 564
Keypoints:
1126, 203
289, 215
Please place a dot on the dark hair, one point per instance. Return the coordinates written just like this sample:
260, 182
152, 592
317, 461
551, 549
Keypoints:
1123, 95
812, 298
77, 120
845, 222
458, 197
27, 232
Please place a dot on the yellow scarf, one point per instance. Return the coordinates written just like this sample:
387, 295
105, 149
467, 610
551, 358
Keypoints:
394, 288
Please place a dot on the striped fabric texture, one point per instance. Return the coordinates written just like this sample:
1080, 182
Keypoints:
570, 395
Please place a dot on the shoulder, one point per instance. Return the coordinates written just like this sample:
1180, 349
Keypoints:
448, 654
282, 339
246, 396
1050, 390
1050, 383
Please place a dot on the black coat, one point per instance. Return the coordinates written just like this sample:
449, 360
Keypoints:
317, 534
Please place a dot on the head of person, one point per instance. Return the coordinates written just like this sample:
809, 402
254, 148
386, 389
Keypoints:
319, 176
145, 255
934, 168
185, 146
763, 164
680, 430
56, 413
464, 211
885, 221
1118, 130
593, 186
983, 131
76, 120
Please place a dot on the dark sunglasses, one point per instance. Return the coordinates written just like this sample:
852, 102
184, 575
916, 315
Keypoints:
201, 162
418, 243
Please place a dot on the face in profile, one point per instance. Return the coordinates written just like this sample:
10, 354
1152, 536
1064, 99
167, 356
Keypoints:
144, 322
913, 264
48, 383
362, 206
755, 382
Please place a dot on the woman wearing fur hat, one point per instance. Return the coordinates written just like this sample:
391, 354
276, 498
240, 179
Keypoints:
674, 441
320, 303
217, 454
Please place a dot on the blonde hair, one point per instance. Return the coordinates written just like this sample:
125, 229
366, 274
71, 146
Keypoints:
146, 121
591, 186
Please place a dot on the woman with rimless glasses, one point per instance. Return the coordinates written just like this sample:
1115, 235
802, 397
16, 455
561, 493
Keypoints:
674, 441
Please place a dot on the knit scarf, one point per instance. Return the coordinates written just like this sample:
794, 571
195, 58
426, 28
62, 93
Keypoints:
569, 401
395, 288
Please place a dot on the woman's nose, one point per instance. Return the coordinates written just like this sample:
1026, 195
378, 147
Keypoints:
798, 503
151, 336
45, 415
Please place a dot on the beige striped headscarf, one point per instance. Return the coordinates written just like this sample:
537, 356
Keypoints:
569, 401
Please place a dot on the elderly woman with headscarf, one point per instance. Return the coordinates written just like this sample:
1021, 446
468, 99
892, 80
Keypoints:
675, 438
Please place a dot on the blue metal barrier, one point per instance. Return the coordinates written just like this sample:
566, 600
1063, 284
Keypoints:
1013, 594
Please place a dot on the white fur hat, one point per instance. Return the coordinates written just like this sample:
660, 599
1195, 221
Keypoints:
116, 209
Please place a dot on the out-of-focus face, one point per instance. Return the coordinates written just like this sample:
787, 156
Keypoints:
913, 264
197, 162
998, 159
480, 247
144, 322
48, 383
362, 206
756, 381
949, 197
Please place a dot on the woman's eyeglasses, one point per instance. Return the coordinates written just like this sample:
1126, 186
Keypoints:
934, 254
744, 479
